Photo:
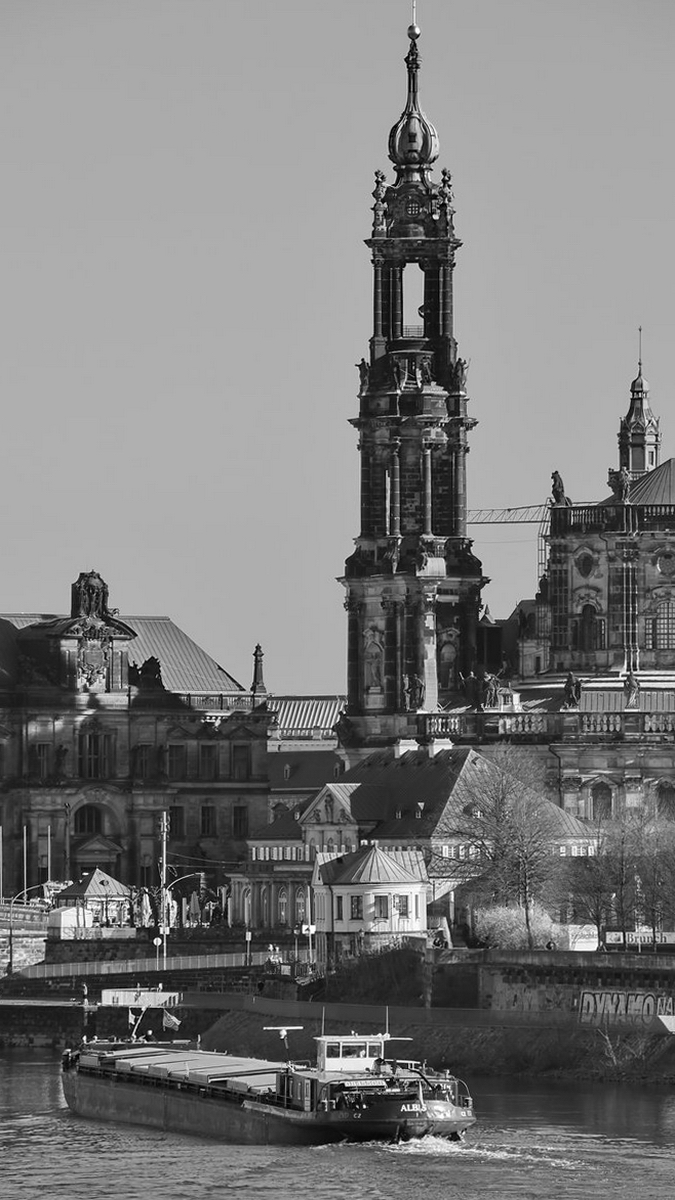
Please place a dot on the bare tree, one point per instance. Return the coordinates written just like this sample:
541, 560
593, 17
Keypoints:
512, 831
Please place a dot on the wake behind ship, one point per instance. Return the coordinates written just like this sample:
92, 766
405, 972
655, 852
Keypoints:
353, 1093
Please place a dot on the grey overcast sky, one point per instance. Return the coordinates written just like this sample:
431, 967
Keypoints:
184, 289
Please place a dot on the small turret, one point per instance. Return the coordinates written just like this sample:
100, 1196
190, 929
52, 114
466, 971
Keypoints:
639, 432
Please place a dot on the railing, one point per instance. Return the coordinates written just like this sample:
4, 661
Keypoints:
218, 700
547, 726
413, 331
133, 966
619, 518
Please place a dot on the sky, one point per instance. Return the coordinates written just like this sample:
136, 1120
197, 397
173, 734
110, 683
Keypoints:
184, 288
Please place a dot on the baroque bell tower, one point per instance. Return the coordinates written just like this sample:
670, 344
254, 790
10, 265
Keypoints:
413, 585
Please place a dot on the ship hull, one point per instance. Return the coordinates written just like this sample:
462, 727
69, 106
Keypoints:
250, 1122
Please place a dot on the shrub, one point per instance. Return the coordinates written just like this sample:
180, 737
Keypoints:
503, 927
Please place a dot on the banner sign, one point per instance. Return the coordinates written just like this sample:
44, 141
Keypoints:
139, 998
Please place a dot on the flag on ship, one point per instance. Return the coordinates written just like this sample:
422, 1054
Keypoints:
169, 1021
132, 1017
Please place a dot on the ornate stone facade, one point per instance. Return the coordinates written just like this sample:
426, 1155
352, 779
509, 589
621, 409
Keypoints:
107, 723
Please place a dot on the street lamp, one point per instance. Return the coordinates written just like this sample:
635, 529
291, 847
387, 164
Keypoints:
24, 892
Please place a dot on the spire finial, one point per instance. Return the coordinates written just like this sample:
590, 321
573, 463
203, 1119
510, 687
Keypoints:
414, 29
639, 349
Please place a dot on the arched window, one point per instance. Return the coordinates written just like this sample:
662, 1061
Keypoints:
665, 801
246, 906
282, 906
265, 907
299, 906
312, 849
330, 846
601, 798
664, 626
87, 820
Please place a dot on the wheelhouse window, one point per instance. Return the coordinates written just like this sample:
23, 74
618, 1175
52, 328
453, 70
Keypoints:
356, 908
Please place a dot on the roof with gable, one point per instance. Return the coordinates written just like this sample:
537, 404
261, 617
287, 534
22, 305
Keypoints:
372, 865
186, 667
415, 797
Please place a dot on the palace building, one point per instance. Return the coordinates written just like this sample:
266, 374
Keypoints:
106, 722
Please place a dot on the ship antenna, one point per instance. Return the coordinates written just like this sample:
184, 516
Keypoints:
323, 1021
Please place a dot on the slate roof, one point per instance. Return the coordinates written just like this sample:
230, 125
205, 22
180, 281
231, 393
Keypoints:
370, 864
655, 487
415, 797
97, 885
309, 769
185, 666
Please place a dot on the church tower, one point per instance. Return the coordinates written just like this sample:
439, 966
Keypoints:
413, 584
639, 432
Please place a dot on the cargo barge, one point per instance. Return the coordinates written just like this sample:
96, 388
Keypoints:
355, 1092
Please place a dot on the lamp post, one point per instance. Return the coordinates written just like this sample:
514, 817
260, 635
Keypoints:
24, 892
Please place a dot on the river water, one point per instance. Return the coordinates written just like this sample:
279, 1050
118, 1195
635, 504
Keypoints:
532, 1140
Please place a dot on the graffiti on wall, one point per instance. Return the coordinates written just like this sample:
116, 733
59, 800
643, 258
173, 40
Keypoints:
623, 1007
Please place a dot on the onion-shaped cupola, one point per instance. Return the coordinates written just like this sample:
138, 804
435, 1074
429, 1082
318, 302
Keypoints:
413, 141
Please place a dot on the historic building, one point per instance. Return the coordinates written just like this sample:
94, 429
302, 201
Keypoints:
412, 584
106, 722
367, 901
399, 802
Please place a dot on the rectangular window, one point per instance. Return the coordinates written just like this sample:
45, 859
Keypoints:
241, 762
239, 821
43, 758
208, 821
176, 761
357, 908
176, 822
381, 908
403, 906
208, 761
338, 908
143, 761
95, 756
